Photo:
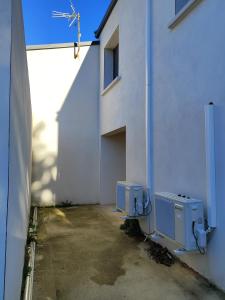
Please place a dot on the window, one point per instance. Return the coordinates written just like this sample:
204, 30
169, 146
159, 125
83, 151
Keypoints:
111, 59
179, 4
116, 62
182, 9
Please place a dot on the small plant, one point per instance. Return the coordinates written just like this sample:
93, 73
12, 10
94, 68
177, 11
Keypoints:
66, 203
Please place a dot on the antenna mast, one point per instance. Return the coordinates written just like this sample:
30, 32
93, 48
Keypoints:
74, 19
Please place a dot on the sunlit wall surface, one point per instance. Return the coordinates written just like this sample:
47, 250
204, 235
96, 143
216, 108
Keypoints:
64, 94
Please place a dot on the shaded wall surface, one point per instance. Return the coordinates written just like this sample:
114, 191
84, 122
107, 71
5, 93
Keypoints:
124, 104
5, 45
16, 162
188, 72
113, 165
65, 95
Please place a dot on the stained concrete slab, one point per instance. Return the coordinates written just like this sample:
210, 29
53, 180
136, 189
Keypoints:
83, 255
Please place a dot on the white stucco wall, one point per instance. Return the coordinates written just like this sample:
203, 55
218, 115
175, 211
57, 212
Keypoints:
5, 37
124, 104
65, 94
15, 149
19, 160
188, 72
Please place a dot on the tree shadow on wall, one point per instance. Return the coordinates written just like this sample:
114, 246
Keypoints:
43, 170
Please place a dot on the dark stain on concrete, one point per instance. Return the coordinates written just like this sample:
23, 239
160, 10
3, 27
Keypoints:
189, 291
109, 264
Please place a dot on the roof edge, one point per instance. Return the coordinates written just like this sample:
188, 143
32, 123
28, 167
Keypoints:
60, 45
105, 18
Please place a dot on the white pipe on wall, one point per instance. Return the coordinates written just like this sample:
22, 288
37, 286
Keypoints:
149, 129
210, 164
149, 113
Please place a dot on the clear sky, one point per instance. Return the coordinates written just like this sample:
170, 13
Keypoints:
41, 28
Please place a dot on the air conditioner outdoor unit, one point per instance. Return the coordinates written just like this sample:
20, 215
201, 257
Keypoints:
181, 220
130, 198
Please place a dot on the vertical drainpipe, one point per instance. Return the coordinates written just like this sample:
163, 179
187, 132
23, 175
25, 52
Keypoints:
149, 104
210, 164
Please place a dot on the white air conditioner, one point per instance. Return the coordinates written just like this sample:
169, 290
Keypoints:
130, 198
181, 220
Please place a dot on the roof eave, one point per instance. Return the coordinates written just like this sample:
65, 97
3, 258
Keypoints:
105, 18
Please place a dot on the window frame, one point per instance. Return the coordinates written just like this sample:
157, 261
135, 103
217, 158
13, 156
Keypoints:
182, 14
111, 64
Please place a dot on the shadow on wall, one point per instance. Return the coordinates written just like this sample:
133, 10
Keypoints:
44, 170
113, 164
78, 136
69, 172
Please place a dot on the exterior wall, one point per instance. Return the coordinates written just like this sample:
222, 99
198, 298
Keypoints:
65, 95
15, 150
124, 104
20, 159
5, 37
188, 72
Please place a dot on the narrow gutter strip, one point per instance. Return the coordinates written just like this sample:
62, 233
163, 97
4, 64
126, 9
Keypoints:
28, 292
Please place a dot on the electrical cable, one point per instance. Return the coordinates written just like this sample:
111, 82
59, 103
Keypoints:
201, 250
147, 204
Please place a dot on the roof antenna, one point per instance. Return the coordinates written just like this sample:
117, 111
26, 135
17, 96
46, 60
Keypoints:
73, 19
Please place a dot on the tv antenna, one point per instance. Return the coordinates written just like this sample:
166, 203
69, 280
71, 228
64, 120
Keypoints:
73, 19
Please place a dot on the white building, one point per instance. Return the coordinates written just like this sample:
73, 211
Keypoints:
15, 149
187, 74
130, 108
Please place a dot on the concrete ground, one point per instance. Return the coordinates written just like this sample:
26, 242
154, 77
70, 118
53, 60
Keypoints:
82, 254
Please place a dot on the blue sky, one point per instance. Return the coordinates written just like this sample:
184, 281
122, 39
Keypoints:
41, 28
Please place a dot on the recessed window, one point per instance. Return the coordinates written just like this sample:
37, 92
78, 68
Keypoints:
111, 59
116, 62
182, 9
179, 4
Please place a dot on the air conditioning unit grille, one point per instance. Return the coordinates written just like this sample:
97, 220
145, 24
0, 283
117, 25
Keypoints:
165, 221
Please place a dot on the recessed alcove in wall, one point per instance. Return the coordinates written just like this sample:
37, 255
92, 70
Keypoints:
113, 164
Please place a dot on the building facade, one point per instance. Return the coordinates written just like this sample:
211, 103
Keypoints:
169, 53
187, 74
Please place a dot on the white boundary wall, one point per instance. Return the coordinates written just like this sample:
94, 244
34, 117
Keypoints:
65, 95
15, 150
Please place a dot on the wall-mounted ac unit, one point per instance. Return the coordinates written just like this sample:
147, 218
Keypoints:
181, 220
130, 198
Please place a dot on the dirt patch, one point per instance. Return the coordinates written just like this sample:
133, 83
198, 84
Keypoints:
132, 228
160, 254
155, 251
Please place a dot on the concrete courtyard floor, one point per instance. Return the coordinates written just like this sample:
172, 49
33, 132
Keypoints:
83, 255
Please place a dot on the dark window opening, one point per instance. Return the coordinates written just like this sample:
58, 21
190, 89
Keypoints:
116, 62
111, 59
